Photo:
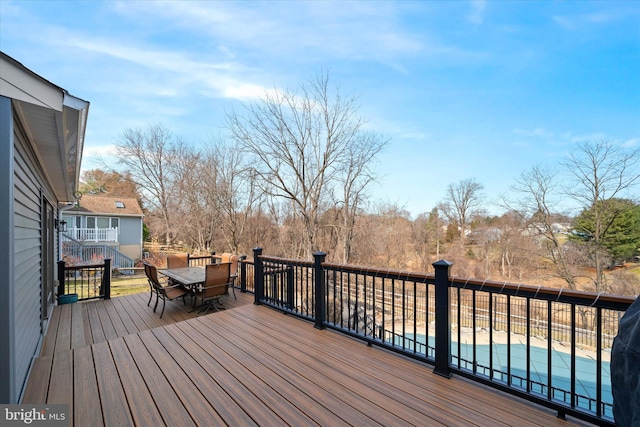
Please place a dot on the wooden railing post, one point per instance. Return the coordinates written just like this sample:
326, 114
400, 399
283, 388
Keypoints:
243, 273
61, 275
443, 319
106, 279
258, 276
320, 315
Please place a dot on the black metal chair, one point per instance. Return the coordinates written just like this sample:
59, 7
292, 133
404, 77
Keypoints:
152, 288
169, 292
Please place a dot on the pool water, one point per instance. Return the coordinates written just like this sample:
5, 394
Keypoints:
586, 369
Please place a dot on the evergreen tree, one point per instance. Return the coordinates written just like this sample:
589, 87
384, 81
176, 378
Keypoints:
621, 221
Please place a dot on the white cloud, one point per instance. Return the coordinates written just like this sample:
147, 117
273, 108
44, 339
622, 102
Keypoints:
94, 156
320, 30
476, 15
98, 151
243, 91
174, 71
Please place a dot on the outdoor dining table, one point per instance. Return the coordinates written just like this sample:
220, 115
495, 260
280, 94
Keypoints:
190, 277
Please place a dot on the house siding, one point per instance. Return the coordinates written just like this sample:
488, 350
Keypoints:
130, 237
27, 225
42, 129
8, 392
129, 230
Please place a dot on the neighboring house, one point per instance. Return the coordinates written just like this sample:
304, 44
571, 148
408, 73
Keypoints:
112, 221
42, 129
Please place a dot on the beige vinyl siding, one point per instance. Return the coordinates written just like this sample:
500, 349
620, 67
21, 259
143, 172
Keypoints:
27, 261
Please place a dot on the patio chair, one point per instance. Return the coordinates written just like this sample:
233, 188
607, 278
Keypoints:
169, 292
216, 282
233, 260
152, 288
177, 260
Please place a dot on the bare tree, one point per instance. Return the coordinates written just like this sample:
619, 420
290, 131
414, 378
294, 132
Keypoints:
427, 232
100, 182
146, 154
195, 205
236, 192
601, 171
300, 143
515, 248
435, 224
540, 194
356, 175
461, 203
388, 240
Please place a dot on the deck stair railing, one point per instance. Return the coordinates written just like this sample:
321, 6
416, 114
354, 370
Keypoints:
91, 252
548, 346
87, 281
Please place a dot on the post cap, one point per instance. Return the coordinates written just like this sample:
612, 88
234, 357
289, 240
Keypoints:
442, 263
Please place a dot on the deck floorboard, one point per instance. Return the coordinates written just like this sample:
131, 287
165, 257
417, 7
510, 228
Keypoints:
86, 389
247, 365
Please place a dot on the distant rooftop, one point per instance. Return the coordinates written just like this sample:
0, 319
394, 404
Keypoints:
108, 205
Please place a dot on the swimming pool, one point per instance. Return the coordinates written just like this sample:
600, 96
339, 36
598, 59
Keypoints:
585, 377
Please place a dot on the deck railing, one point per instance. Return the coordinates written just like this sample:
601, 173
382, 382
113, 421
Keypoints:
549, 346
91, 234
201, 260
247, 276
244, 282
87, 281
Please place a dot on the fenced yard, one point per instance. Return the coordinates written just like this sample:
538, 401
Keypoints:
127, 285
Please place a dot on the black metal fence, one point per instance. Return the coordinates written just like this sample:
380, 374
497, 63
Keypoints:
247, 275
549, 346
88, 281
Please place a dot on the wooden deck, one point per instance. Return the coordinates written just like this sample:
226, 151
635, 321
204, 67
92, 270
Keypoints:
89, 322
247, 365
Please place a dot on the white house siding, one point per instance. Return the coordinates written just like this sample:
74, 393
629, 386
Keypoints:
27, 261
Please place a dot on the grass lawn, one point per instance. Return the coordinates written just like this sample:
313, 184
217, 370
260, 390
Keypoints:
126, 285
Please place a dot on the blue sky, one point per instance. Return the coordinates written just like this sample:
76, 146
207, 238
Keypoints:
463, 89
